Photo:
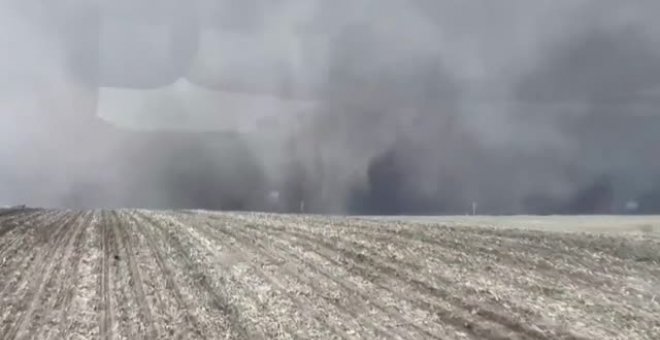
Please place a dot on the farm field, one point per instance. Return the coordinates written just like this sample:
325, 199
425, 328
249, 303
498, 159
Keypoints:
138, 274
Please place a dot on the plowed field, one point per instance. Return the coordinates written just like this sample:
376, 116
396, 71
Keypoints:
133, 274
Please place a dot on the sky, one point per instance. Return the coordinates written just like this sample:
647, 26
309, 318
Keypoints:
354, 107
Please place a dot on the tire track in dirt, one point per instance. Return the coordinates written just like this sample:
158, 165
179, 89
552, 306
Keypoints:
377, 268
583, 249
13, 245
16, 261
8, 223
128, 317
251, 274
267, 249
277, 314
23, 215
588, 260
215, 243
359, 296
106, 304
16, 214
135, 280
171, 315
574, 275
372, 242
193, 324
24, 252
386, 328
272, 279
235, 328
279, 302
71, 285
518, 256
82, 321
447, 314
16, 219
481, 309
8, 214
551, 245
39, 275
304, 303
571, 275
448, 249
58, 289
445, 237
371, 246
460, 322
27, 225
24, 225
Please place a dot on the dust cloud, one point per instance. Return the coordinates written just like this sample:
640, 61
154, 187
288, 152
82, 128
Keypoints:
359, 107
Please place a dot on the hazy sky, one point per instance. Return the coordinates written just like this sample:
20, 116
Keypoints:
359, 106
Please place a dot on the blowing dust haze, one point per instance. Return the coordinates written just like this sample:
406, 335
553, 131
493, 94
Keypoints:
342, 106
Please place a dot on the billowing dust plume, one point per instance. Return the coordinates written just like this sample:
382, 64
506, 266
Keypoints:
342, 106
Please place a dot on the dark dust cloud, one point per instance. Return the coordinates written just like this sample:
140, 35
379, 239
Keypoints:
343, 106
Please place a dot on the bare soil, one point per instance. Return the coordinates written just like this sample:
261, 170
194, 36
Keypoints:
134, 274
